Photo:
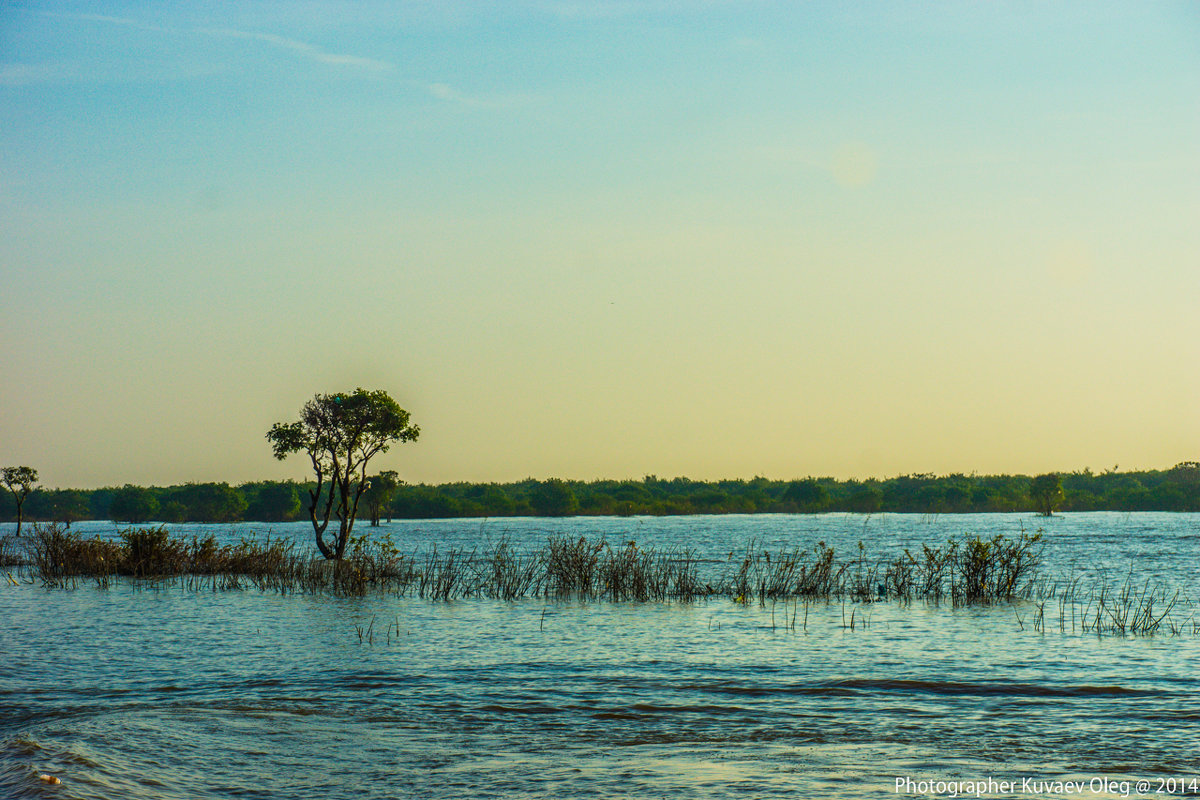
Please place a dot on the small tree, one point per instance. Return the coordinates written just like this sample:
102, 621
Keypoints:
20, 481
1046, 491
341, 433
379, 494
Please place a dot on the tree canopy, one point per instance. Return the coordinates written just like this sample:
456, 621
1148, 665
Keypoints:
133, 504
1046, 491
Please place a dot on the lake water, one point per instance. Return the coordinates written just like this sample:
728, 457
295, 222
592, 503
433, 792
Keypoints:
165, 693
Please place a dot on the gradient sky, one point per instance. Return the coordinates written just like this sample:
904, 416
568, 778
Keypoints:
601, 239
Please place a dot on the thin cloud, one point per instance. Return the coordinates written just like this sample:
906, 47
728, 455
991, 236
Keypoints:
611, 9
123, 21
444, 91
305, 49
26, 74
448, 93
747, 44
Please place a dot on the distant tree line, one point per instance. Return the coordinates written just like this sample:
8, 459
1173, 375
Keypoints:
1175, 489
266, 501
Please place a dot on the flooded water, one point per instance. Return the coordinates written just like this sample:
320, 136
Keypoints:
166, 693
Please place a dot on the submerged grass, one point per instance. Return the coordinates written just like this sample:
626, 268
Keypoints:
966, 571
970, 570
1105, 607
961, 571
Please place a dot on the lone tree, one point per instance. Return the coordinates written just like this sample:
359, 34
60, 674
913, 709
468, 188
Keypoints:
20, 481
341, 433
1046, 492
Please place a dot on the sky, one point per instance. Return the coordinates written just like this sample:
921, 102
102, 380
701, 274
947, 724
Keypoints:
605, 239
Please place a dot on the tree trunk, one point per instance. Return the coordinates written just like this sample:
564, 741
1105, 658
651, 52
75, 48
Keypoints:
344, 536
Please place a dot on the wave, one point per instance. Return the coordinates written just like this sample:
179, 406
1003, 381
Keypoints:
848, 687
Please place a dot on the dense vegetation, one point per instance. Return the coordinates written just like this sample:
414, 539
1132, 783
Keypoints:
1176, 489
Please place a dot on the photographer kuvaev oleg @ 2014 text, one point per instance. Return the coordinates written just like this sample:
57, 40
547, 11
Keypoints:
1077, 787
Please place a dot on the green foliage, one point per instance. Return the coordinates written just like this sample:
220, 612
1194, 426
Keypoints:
133, 504
271, 501
208, 502
423, 502
146, 549
922, 493
554, 498
379, 494
340, 433
173, 511
1046, 491
1176, 489
865, 500
808, 495
59, 505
